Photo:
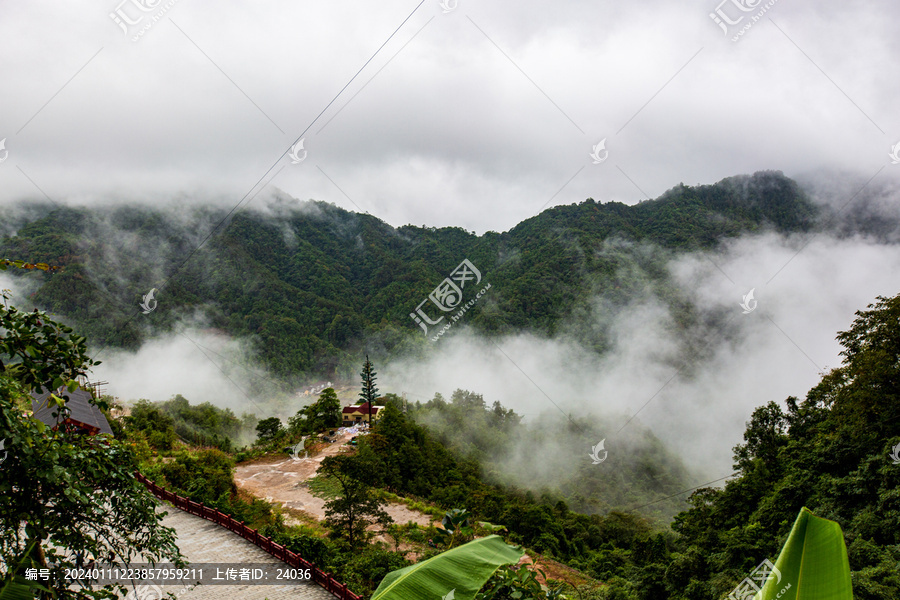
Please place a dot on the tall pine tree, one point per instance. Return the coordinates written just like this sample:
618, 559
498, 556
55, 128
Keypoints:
369, 392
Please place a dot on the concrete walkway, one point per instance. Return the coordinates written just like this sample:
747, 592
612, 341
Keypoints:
203, 541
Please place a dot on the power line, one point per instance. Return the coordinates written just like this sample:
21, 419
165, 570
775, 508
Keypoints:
299, 137
274, 164
703, 485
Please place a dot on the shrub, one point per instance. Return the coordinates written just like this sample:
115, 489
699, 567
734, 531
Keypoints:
203, 476
364, 571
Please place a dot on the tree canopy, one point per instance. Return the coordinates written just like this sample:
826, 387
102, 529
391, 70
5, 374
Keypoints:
309, 286
65, 497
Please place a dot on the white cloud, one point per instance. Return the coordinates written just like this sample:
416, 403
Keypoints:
745, 361
450, 132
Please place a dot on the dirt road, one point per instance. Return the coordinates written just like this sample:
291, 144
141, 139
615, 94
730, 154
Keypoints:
282, 480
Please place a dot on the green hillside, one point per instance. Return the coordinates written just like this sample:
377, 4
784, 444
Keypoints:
836, 452
307, 281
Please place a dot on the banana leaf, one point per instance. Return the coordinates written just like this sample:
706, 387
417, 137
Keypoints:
16, 587
456, 574
812, 565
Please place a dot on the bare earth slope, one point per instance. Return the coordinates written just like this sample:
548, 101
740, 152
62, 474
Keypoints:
282, 480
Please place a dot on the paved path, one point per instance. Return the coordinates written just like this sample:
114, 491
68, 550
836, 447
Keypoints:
203, 541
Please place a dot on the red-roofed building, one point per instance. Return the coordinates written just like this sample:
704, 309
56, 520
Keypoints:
355, 415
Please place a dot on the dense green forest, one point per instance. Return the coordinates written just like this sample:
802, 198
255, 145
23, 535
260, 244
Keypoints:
837, 452
831, 452
834, 452
508, 450
308, 282
201, 425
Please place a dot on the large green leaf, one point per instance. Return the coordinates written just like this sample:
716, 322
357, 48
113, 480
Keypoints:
16, 587
813, 562
456, 574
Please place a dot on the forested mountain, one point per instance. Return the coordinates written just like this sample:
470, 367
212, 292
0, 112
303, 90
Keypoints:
836, 452
306, 281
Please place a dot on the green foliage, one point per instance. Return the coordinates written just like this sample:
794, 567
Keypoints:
813, 562
829, 452
21, 264
160, 423
457, 528
322, 414
268, 429
204, 424
326, 411
316, 293
39, 352
494, 437
14, 585
248, 454
510, 583
459, 572
65, 496
257, 513
308, 285
324, 553
207, 475
203, 476
369, 392
323, 486
366, 569
157, 426
357, 507
412, 462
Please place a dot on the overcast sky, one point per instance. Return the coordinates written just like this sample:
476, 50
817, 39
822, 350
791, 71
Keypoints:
477, 117
480, 115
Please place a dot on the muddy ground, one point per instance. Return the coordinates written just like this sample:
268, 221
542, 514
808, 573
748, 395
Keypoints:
283, 479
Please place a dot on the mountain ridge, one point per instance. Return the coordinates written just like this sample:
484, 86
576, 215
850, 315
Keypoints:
310, 282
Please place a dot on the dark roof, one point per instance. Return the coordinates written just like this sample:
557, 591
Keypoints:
80, 409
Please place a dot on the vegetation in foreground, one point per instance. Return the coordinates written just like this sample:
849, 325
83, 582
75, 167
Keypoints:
65, 498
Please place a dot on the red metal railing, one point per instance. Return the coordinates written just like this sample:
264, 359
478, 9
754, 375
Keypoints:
339, 590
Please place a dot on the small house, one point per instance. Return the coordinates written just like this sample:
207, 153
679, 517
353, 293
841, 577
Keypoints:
355, 415
82, 415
